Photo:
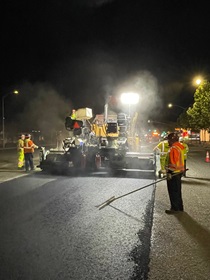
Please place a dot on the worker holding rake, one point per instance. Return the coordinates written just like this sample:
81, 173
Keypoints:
175, 169
174, 166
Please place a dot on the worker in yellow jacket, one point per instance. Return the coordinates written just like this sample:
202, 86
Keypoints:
162, 150
20, 151
73, 114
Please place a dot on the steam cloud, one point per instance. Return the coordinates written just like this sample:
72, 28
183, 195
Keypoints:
44, 109
86, 81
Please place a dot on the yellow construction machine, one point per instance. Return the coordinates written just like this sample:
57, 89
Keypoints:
109, 140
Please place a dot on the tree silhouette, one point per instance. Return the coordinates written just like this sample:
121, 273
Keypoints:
199, 113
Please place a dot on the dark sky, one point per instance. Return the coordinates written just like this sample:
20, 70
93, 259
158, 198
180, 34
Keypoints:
89, 49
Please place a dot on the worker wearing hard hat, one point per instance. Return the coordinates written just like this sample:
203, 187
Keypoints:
175, 168
162, 150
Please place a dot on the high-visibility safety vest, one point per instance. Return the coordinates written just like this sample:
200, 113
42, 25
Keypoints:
162, 148
175, 158
73, 115
186, 150
28, 146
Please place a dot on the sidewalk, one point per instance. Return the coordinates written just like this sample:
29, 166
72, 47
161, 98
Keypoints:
180, 244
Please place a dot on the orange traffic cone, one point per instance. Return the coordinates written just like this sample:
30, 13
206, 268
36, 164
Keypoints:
207, 157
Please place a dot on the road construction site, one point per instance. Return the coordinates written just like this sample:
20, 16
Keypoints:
180, 244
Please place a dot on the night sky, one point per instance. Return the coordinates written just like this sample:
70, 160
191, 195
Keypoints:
82, 51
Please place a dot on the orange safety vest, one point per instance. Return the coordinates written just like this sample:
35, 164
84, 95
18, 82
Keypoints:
175, 158
28, 146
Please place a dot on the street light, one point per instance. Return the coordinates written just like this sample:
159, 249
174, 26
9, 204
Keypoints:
170, 105
3, 117
198, 80
129, 98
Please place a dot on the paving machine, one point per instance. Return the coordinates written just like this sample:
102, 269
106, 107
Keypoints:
109, 141
120, 146
78, 152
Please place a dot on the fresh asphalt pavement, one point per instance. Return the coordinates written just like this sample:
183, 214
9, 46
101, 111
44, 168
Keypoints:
180, 244
52, 229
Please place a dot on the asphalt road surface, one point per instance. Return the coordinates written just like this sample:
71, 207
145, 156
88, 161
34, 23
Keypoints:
50, 228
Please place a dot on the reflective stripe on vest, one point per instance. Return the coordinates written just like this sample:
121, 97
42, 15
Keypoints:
163, 149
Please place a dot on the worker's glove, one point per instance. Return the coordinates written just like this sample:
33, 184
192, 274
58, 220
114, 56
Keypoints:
169, 176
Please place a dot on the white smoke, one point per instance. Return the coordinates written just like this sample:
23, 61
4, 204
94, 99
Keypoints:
43, 108
146, 86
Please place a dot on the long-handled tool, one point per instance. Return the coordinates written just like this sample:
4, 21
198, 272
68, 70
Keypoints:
113, 198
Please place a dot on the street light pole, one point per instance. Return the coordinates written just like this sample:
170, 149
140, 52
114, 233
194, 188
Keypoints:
170, 105
3, 117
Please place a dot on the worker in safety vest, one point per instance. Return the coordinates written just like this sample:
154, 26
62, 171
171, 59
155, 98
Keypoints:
73, 114
29, 147
186, 150
175, 168
20, 151
162, 150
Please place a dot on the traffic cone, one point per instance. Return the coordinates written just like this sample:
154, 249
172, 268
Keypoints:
207, 157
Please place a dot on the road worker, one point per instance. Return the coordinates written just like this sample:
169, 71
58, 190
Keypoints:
162, 150
73, 114
175, 168
20, 150
29, 147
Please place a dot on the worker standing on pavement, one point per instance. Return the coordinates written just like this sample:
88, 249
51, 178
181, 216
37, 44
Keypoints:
162, 150
29, 147
175, 168
186, 150
20, 150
